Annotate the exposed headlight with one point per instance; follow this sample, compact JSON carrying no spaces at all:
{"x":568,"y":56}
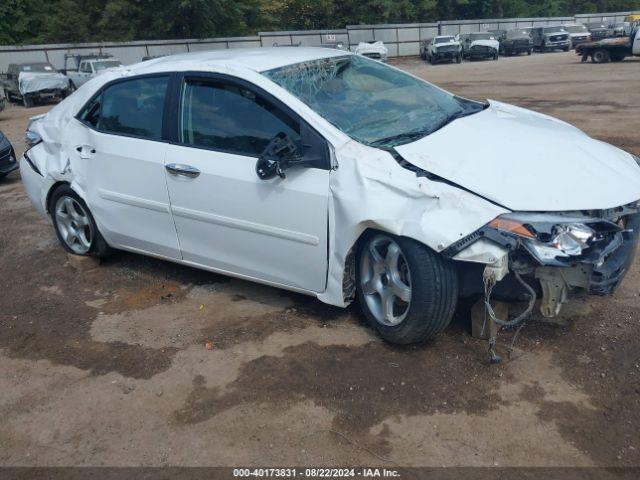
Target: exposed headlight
{"x":548,"y":240}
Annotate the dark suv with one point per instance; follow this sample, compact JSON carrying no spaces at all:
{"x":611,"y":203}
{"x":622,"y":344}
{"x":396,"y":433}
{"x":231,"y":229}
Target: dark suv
{"x":7,"y":157}
{"x":547,"y":39}
{"x":515,"y":42}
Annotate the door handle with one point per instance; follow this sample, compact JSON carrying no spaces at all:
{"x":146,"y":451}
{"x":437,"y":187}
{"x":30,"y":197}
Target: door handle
{"x":182,"y":170}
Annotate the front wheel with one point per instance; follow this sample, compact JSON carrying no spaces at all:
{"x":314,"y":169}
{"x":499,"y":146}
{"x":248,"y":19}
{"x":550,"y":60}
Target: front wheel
{"x":458,"y":58}
{"x":407,"y":292}
{"x":27,"y":101}
{"x":74,"y":225}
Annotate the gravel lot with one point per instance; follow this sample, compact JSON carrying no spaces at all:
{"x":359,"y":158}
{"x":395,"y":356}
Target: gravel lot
{"x":109,"y":366}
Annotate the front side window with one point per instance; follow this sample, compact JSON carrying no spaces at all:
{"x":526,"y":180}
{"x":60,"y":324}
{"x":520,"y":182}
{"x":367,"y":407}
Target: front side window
{"x":371,"y":102}
{"x":85,"y":67}
{"x":230,"y":118}
{"x":134,"y":107}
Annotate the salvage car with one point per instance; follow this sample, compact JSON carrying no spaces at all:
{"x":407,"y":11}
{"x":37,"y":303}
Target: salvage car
{"x":34,"y":82}
{"x":441,"y":49}
{"x":479,"y":45}
{"x":598,"y":31}
{"x":8,"y":162}
{"x":515,"y":42}
{"x":337,"y":176}
{"x":578,"y":33}
{"x":82,"y":68}
{"x":3,"y":101}
{"x":375,"y":50}
{"x":547,"y":39}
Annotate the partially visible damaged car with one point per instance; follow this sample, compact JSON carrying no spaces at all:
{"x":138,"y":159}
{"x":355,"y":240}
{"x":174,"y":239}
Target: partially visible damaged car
{"x":333,"y":175}
{"x":441,"y":49}
{"x":598,"y":30}
{"x":3,"y":101}
{"x":479,"y":45}
{"x":8,"y":162}
{"x":375,"y":50}
{"x":34,"y":82}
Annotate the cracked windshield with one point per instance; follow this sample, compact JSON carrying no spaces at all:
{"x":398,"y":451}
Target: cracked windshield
{"x":372,"y":103}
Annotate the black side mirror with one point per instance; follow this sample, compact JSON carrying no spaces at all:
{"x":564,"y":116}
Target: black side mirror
{"x":280,"y":154}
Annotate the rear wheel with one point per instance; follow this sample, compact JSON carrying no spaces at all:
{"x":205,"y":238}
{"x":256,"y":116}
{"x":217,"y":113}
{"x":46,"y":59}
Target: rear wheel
{"x":600,"y":56}
{"x":74,"y":225}
{"x":407,"y":292}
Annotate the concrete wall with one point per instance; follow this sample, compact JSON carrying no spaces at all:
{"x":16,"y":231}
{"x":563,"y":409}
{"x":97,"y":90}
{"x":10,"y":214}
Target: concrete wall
{"x":402,"y":39}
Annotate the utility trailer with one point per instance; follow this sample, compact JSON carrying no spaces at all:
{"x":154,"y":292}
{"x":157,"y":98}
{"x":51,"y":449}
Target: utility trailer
{"x":611,"y":49}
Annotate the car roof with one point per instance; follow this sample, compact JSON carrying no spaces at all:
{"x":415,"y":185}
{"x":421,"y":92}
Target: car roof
{"x":257,"y":59}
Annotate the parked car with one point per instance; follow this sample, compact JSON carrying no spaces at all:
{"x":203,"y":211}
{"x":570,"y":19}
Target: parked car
{"x":547,"y":39}
{"x":578,"y":33}
{"x":598,"y":31}
{"x":515,"y":42}
{"x":8,"y":161}
{"x":3,"y":101}
{"x":373,"y":184}
{"x":441,"y":49}
{"x":479,"y":45}
{"x":620,"y":29}
{"x":375,"y":50}
{"x":82,"y":68}
{"x":34,"y":82}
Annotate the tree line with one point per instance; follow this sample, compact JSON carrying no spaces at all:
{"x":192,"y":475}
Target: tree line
{"x":63,"y":21}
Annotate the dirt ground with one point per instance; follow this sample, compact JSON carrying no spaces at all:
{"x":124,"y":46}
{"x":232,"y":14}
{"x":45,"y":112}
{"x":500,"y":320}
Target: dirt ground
{"x":109,"y":366}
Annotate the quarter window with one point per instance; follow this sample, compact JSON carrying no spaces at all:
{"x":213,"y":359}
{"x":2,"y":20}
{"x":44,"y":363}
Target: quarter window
{"x":226,"y":117}
{"x":132,"y":108}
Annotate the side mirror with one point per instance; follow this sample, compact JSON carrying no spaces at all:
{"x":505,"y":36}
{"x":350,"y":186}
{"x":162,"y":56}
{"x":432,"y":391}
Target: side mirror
{"x":279,"y":155}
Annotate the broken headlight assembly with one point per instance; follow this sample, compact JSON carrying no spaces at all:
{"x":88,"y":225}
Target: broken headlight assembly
{"x":556,"y":239}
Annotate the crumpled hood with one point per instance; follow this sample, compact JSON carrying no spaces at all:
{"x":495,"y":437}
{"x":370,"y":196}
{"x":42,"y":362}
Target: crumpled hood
{"x":486,"y":43}
{"x":527,"y":161}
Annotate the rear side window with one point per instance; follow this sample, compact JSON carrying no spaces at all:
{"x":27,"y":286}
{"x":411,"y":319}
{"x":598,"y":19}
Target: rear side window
{"x":131,"y":108}
{"x":226,"y":117}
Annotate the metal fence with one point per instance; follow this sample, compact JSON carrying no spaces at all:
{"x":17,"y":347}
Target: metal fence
{"x":401,"y":39}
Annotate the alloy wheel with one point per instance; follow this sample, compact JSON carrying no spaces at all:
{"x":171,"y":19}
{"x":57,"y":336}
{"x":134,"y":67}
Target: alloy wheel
{"x":385,"y":280}
{"x":74,"y":225}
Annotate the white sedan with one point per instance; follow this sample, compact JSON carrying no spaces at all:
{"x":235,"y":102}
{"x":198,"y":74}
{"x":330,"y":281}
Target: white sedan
{"x":326,"y":173}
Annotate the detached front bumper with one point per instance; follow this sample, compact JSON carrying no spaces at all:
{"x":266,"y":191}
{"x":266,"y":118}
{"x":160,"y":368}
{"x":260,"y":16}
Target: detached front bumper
{"x":500,"y":250}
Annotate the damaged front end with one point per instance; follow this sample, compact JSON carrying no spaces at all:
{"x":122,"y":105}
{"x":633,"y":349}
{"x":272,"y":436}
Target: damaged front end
{"x":550,"y":255}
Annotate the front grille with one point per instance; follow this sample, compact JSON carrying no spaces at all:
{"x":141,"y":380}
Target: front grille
{"x":375,"y":56}
{"x":558,"y":38}
{"x":447,"y":49}
{"x":598,"y":35}
{"x":521,"y":43}
{"x":482,"y":49}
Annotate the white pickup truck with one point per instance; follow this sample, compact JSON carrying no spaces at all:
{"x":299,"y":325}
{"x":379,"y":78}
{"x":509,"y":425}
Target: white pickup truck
{"x":82,"y":68}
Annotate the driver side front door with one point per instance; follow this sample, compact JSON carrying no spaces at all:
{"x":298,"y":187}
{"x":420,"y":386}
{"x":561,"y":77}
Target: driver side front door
{"x":229,"y":220}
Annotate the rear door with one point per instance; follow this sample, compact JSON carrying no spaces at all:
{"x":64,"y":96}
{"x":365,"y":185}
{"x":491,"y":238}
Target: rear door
{"x":119,"y":164}
{"x":226,"y":217}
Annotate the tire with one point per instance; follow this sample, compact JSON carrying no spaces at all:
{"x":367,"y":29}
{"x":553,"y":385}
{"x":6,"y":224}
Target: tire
{"x":432,"y":60}
{"x":70,"y":213}
{"x":600,"y":56}
{"x":72,"y":86}
{"x":495,"y":56}
{"x":27,"y":101}
{"x":8,"y":96}
{"x":388,"y":264}
{"x":566,"y":49}
{"x":458,"y":58}
{"x":529,"y":52}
